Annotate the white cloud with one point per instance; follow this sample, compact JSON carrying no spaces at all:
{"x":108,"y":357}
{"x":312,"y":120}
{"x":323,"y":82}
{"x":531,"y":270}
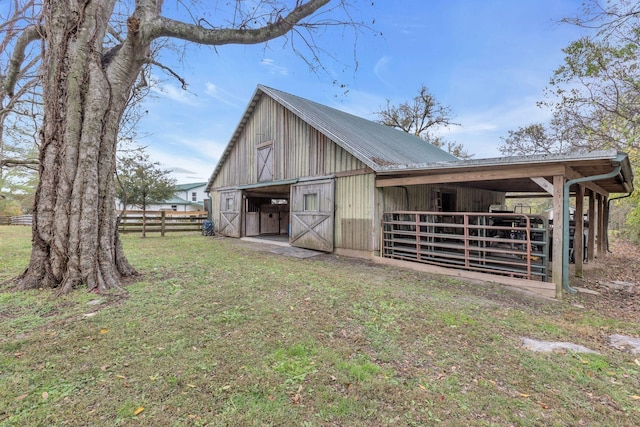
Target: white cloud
{"x":274,"y":68}
{"x":175,"y":94}
{"x":189,"y":158}
{"x":185,"y":167}
{"x":223,"y":96}
{"x":380,"y":69}
{"x":481,"y":131}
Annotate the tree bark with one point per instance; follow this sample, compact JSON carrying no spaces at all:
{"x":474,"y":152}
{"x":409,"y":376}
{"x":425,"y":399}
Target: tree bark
{"x":75,"y":238}
{"x":85,"y":92}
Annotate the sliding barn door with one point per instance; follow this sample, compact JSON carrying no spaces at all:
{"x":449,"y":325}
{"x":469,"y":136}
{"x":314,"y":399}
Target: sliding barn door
{"x":312,"y":211}
{"x":230,"y":213}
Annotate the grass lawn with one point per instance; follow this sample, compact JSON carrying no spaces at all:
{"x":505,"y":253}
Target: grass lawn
{"x":215,"y":332}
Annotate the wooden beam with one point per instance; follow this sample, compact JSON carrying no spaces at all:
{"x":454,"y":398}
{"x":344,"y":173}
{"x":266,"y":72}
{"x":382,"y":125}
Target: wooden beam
{"x":517,"y":171}
{"x":573,"y":174}
{"x":578,"y":241}
{"x":543,"y":183}
{"x":591,"y":238}
{"x":602,"y":239}
{"x":541,"y":288}
{"x":354,"y":172}
{"x":558,"y":206}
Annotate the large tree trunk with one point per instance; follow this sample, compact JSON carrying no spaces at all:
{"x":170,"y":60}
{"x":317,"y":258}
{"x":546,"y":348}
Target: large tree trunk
{"x":75,"y":237}
{"x":85,"y":91}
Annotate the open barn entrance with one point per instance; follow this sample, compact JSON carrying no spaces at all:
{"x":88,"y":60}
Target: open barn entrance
{"x":266,"y":215}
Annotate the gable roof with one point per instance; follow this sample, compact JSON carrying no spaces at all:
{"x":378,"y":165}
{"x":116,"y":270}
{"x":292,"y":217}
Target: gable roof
{"x":374,"y":144}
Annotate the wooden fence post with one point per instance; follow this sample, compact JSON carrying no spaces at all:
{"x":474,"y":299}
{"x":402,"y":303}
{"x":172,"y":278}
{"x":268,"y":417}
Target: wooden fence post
{"x":163,"y":217}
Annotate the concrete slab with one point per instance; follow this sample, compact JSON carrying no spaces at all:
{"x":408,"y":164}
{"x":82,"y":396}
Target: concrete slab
{"x":550,"y":346}
{"x":625,"y":343}
{"x":295,"y":252}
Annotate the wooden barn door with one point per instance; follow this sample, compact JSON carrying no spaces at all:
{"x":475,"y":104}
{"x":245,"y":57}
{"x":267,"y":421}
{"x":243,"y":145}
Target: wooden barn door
{"x":265,"y":162}
{"x":312,"y":211}
{"x":230,"y":213}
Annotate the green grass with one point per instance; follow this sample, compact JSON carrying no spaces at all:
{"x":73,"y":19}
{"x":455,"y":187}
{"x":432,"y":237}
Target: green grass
{"x":218,"y":333}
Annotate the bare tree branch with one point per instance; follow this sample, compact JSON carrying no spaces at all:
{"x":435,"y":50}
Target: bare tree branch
{"x":30,"y":34}
{"x":165,"y":27}
{"x":27,"y":163}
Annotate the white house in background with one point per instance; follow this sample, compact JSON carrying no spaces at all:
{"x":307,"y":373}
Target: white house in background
{"x":187,"y":198}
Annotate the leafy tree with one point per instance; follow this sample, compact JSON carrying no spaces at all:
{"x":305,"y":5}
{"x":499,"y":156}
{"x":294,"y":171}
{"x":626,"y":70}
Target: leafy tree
{"x":142,"y":182}
{"x":88,"y":77}
{"x":595,"y":94}
{"x":421,"y":117}
{"x":535,"y":139}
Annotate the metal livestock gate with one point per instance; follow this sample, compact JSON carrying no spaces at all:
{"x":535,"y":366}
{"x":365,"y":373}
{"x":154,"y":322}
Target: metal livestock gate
{"x":515,"y":245}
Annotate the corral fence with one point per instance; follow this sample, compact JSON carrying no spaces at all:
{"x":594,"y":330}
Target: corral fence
{"x":515,"y":245}
{"x":161,"y":221}
{"x":16,"y":220}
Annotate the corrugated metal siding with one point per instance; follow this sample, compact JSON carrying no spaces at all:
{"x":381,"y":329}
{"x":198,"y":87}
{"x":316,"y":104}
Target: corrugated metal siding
{"x":421,"y":198}
{"x":354,"y":216}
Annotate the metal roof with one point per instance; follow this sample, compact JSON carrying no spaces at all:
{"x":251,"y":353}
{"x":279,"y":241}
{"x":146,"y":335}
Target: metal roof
{"x":374,"y":144}
{"x":175,"y":200}
{"x":391,"y":153}
{"x":189,"y":186}
{"x":492,"y":173}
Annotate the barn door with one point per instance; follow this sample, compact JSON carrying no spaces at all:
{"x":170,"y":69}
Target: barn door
{"x":265,"y":162}
{"x":312,"y":210}
{"x":230,"y":208}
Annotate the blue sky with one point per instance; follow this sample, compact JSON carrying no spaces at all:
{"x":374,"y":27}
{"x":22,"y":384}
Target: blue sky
{"x":488,"y":60}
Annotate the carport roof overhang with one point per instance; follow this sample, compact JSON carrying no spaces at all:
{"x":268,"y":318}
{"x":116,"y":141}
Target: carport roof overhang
{"x":517,"y":174}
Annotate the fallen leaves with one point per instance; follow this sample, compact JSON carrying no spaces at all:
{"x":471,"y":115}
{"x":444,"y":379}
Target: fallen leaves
{"x":296,"y":399}
{"x":138,"y":411}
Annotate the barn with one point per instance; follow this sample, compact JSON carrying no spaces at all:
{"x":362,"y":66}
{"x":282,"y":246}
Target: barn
{"x":323,"y":179}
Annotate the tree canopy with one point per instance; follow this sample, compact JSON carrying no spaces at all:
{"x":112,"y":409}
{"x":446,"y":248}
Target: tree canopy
{"x":594,"y":95}
{"x":142,"y":182}
{"x":422,"y":116}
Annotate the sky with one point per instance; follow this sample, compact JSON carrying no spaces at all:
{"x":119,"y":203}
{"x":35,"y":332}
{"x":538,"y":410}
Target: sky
{"x":489,"y":61}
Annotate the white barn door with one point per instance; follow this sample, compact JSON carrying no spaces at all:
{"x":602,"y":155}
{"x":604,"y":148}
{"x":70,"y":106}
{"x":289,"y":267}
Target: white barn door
{"x":230,"y":213}
{"x":312,"y":207}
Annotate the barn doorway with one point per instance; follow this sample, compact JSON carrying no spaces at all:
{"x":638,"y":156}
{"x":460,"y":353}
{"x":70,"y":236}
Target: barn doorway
{"x":266,"y":216}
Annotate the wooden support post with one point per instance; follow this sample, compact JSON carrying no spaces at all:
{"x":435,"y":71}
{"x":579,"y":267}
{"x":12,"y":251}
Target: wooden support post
{"x":558,"y":206}
{"x":602,"y":238}
{"x":593,"y":226}
{"x":578,"y":241}
{"x":163,"y":217}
